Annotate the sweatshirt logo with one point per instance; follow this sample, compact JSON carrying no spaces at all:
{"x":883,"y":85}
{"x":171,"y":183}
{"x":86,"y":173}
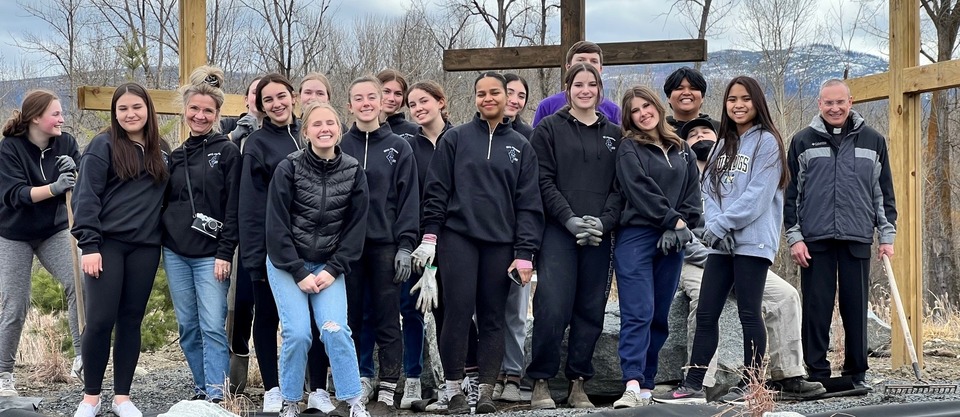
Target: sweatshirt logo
{"x":741,"y":163}
{"x":406,"y":136}
{"x":610,"y":142}
{"x":166,"y":158}
{"x":214,"y":159}
{"x":513,"y":154}
{"x":391,"y":155}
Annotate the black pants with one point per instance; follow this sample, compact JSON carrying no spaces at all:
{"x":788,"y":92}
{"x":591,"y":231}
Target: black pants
{"x":819,"y":284}
{"x":470,"y":364}
{"x":266,"y":321}
{"x":747,"y":275}
{"x":371,"y":279}
{"x":115,"y":303}
{"x":242,"y":313}
{"x":474,"y":280}
{"x":571,"y":291}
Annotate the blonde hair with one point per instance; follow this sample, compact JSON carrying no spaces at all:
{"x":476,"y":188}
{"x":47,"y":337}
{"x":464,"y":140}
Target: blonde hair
{"x":316,"y":76}
{"x":206,"y":81}
{"x":308,"y":113}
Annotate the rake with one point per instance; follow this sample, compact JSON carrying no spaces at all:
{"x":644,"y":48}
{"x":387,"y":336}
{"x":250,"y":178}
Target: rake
{"x":923,"y":387}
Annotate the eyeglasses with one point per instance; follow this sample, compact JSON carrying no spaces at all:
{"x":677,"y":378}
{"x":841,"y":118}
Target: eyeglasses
{"x":831,"y":103}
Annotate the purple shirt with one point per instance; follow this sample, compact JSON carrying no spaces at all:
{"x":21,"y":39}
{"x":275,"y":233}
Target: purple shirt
{"x":551,"y":104}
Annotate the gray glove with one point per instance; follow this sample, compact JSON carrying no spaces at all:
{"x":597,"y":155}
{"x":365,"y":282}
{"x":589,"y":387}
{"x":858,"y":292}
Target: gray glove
{"x":674,"y":240}
{"x":592,"y":233}
{"x":403,"y":264}
{"x":709,"y":239}
{"x":727,"y":244}
{"x":245,"y":126}
{"x":575,"y":225}
{"x":66,"y":164}
{"x":65,"y":182}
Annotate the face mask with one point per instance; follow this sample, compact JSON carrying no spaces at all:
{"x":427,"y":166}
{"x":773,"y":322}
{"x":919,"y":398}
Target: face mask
{"x":702,"y":149}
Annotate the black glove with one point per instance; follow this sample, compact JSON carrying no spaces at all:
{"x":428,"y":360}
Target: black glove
{"x":668,"y":241}
{"x":66,"y":164}
{"x":65,"y":182}
{"x":245,"y":126}
{"x":403,"y":264}
{"x":709,"y":239}
{"x":727,"y":244}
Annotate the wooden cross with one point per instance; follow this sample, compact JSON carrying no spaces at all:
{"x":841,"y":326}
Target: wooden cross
{"x":193,"y":53}
{"x":903,"y":85}
{"x":572,"y":30}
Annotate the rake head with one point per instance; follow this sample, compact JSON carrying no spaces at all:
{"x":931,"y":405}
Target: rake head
{"x":920,"y":389}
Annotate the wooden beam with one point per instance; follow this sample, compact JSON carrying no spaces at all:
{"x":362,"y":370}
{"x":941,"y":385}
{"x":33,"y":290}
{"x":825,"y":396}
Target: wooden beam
{"x":165,"y":101}
{"x":921,"y":79}
{"x":573,"y":29}
{"x":193,"y":37}
{"x":869,"y":88}
{"x":906,"y":166}
{"x":618,"y":53}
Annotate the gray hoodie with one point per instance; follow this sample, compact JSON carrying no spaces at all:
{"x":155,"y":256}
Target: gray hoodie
{"x":751,"y":203}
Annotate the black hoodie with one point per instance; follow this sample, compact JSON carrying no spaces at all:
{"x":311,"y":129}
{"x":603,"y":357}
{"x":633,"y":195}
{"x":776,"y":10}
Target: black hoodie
{"x":401,"y":126}
{"x":483,"y":184}
{"x":262,"y":151}
{"x":578,"y":166}
{"x":24,"y":166}
{"x":104,"y":206}
{"x":423,"y":150}
{"x":678,"y":124}
{"x":214,"y":164}
{"x":391,"y":171}
{"x":658,"y":186}
{"x":521,"y":127}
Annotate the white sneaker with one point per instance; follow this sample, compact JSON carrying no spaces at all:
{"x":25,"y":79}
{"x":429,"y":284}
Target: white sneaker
{"x":359,"y":411}
{"x":442,"y":401}
{"x":471,"y":387}
{"x":367,"y":391}
{"x":7,"y":385}
{"x":272,"y":400}
{"x":76,"y":370}
{"x":411,"y":393}
{"x":320,"y":400}
{"x":87,"y":410}
{"x":126,"y":409}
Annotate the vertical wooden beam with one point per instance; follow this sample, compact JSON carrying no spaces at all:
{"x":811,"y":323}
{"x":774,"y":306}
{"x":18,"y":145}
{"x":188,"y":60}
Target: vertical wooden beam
{"x":905,"y":164}
{"x":572,"y":28}
{"x":193,"y":36}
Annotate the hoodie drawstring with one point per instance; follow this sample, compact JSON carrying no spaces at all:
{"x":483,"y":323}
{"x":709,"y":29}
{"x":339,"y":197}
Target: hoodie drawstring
{"x":295,"y":141}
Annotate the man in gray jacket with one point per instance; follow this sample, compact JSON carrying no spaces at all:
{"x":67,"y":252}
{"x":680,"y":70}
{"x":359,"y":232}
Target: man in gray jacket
{"x":840,"y":196}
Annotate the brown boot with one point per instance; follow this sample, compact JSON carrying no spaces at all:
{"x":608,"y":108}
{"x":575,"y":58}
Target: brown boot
{"x":540,"y":399}
{"x":578,"y":398}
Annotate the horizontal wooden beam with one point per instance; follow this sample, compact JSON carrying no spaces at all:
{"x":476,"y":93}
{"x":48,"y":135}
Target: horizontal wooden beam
{"x":165,"y":101}
{"x":618,"y":53}
{"x":870,"y":88}
{"x":921,"y":79}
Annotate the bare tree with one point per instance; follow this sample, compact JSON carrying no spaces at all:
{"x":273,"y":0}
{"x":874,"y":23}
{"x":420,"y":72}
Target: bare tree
{"x":499,"y":19}
{"x":293,"y":36}
{"x":707,"y":16}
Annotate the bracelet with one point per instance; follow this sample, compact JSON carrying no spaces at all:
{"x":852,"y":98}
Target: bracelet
{"x":430,"y":238}
{"x":524,"y":264}
{"x":50,"y":190}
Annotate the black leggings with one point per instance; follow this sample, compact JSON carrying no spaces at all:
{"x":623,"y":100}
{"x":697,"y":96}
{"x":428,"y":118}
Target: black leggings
{"x":370,"y":288}
{"x":242,"y":313}
{"x":474,"y":279}
{"x":747,"y":275}
{"x":266,"y":321}
{"x":116,"y":300}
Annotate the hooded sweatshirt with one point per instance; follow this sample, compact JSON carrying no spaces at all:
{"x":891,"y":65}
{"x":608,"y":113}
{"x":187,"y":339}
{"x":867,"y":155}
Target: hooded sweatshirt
{"x":401,"y":126}
{"x":391,"y":171}
{"x":214,"y":163}
{"x":751,"y":206}
{"x":578,"y":168}
{"x":659,"y":186}
{"x":107,"y":207}
{"x":483,"y":184}
{"x":262,"y":151}
{"x":24,"y":166}
{"x":551,"y":104}
{"x":521,"y":127}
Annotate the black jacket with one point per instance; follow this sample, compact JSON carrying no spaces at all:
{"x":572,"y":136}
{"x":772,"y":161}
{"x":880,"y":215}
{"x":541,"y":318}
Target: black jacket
{"x":840,"y":187}
{"x":262,"y":152}
{"x":578,"y":166}
{"x":401,"y":126}
{"x":391,"y":172}
{"x":214,"y":164}
{"x":483,"y":184}
{"x":522,"y":128}
{"x":317,"y":212}
{"x":678,"y":124}
{"x":658,"y":187}
{"x":24,"y":166}
{"x":423,"y":150}
{"x":104,"y":206}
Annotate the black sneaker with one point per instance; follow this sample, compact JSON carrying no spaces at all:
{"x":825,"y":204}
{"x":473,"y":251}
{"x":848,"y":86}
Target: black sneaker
{"x":458,"y":405}
{"x":862,"y":385}
{"x":798,"y":389}
{"x":342,"y":410}
{"x":380,"y":408}
{"x":682,"y":395}
{"x":735,"y":395}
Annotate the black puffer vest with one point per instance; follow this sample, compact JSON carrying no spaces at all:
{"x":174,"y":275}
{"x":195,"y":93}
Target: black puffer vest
{"x":321,"y":201}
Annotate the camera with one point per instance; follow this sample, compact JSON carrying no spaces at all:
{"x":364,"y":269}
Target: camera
{"x":206,"y":225}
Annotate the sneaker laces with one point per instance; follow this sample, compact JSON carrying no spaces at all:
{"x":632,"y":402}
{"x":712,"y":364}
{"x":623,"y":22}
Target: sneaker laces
{"x":411,"y":390}
{"x":8,"y":383}
{"x":473,"y":390}
{"x":358,"y":410}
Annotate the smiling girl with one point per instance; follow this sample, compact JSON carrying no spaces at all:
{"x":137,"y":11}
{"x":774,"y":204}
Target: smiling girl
{"x":123,"y":178}
{"x":394,"y":98}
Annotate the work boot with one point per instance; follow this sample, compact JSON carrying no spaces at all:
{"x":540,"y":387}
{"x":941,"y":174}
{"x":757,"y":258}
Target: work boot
{"x":239,"y":365}
{"x":797,"y":388}
{"x":578,"y":398}
{"x":485,"y":403}
{"x":540,"y":399}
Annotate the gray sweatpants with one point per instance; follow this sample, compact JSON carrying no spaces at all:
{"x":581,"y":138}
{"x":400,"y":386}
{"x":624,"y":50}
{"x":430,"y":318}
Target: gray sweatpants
{"x":781,"y":317}
{"x":515,"y":331}
{"x":15,"y":280}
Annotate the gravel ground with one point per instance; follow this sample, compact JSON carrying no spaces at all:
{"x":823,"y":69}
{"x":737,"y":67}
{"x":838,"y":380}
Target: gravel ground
{"x":163,"y":379}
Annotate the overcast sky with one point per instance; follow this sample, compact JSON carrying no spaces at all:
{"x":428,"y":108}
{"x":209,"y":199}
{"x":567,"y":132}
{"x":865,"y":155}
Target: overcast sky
{"x":607,"y":21}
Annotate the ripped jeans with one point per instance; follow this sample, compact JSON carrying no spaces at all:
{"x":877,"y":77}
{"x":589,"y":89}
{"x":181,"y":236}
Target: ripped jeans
{"x":330,"y":309}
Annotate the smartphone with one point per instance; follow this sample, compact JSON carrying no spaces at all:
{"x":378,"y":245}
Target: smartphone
{"x":514,"y":275}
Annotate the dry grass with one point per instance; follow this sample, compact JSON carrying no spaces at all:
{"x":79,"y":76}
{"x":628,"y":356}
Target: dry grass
{"x":40,"y":349}
{"x":941,"y":323}
{"x":837,"y":337}
{"x":238,"y":404}
{"x":254,"y":379}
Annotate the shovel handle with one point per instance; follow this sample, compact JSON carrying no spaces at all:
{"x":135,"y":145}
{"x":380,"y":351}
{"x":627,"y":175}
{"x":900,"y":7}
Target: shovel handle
{"x":77,"y":276}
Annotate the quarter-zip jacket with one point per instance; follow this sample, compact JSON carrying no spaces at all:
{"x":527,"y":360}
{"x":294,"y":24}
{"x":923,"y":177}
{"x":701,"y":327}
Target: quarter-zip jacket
{"x":578,"y":165}
{"x":659,"y":186}
{"x":391,"y":171}
{"x":214,"y":164}
{"x":262,"y":151}
{"x":423,"y":150}
{"x":552,"y":104}
{"x":839,"y":190}
{"x":483,"y":183}
{"x":401,"y":126}
{"x":317,"y":212}
{"x":104,"y":206}
{"x":24,"y":166}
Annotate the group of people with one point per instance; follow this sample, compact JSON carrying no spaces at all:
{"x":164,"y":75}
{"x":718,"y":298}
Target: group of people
{"x":343,"y":238}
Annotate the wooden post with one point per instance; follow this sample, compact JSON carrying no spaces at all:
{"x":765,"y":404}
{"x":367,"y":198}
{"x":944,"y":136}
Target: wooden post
{"x":906,"y":164}
{"x":573,"y":19}
{"x":193,"y":36}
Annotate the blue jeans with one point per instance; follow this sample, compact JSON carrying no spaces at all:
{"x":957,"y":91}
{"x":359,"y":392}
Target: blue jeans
{"x":646,"y":281}
{"x":200,"y":303}
{"x":412,"y":327}
{"x":330,"y":310}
